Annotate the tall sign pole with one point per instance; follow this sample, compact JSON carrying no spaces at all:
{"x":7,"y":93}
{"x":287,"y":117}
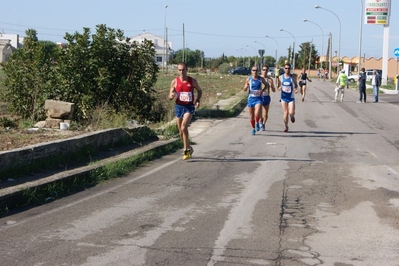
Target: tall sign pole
{"x":378,"y":13}
{"x":396,"y":53}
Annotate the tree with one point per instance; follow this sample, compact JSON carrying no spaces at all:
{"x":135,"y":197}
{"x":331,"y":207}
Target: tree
{"x":191,"y":58}
{"x":95,"y":70}
{"x":307,"y":49}
{"x":106,"y":69}
{"x":282,"y":60}
{"x":31,"y":77}
{"x":269,"y":61}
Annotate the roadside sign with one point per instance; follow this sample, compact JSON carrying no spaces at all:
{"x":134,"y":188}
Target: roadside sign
{"x":377,"y":12}
{"x":396,"y":52}
{"x":261,"y":52}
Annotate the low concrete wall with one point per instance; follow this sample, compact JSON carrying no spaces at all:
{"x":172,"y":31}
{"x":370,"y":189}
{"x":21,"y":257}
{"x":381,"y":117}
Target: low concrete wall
{"x":29,"y":155}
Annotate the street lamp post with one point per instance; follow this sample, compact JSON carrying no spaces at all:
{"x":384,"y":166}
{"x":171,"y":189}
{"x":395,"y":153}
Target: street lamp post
{"x":249,"y":56}
{"x":293,"y":49}
{"x":322,"y":35}
{"x":256,"y":53}
{"x":165,"y":42}
{"x":242,"y":57}
{"x":262,"y":54}
{"x":339,"y":37}
{"x":276,"y":47}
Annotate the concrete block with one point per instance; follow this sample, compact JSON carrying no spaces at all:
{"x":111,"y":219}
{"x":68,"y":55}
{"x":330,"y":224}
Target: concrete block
{"x":53,"y":122}
{"x":59,"y":109}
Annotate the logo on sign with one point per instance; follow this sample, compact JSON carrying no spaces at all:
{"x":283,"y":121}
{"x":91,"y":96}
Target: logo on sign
{"x":396,"y":52}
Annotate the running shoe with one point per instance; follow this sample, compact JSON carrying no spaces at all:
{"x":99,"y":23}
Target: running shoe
{"x":292,"y":119}
{"x":186,"y":155}
{"x":253,"y":131}
{"x":263,"y":127}
{"x":190,"y":152}
{"x":257,"y":126}
{"x":286,"y":129}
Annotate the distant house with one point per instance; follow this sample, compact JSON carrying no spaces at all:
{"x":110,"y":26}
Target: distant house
{"x":8,"y":43}
{"x":5,"y":50}
{"x":162,"y":49}
{"x":14,"y":39}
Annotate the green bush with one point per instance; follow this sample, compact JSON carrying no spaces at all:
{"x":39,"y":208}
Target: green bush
{"x":223,"y":68}
{"x":101,"y":69}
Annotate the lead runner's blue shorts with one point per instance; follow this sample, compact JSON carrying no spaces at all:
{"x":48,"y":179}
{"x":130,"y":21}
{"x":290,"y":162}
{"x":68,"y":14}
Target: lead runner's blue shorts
{"x":180,"y":109}
{"x":252,"y":101}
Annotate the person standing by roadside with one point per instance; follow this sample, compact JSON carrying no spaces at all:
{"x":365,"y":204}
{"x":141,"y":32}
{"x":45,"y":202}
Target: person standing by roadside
{"x":341,"y":82}
{"x":318,"y":73}
{"x":376,"y":83}
{"x":266,"y":99}
{"x":287,"y":84}
{"x":362,"y":86}
{"x":182,"y":88}
{"x":254,"y":84}
{"x":302,"y":83}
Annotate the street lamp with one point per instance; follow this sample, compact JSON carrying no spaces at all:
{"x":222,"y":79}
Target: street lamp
{"x":339,"y":41}
{"x":322,"y":35}
{"x":256,"y":55}
{"x":263,"y":52}
{"x":242,"y":57}
{"x":249,"y":56}
{"x":276,"y":48}
{"x":293,"y":49}
{"x":165,"y":42}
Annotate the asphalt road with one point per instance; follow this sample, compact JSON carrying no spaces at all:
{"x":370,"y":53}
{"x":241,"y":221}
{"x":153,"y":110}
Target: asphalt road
{"x":325,"y":193}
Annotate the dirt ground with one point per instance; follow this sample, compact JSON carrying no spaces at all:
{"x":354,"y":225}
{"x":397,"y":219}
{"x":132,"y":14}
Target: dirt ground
{"x":13,"y":139}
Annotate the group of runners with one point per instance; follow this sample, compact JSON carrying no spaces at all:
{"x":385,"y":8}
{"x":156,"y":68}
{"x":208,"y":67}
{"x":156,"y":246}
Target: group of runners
{"x":258,"y":87}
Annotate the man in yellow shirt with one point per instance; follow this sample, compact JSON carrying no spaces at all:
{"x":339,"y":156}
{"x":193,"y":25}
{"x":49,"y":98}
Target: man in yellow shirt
{"x":341,"y":82}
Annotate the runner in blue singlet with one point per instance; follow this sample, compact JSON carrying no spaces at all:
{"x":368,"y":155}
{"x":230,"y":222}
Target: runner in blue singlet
{"x":254,"y":84}
{"x":266,"y":99}
{"x":287,"y":84}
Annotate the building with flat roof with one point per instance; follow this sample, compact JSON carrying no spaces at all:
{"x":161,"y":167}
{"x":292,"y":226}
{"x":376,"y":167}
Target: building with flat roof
{"x":162,"y":48}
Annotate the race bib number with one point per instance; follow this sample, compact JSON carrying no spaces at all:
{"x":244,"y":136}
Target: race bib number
{"x":186,"y":97}
{"x":286,"y":89}
{"x":255,"y":93}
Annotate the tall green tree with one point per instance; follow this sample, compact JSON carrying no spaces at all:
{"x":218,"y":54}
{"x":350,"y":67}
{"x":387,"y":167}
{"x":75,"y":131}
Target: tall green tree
{"x":307,"y":51}
{"x":31,"y":77}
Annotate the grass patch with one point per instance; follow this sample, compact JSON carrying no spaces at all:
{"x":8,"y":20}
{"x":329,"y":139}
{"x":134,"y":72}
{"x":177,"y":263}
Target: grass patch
{"x":68,"y":186}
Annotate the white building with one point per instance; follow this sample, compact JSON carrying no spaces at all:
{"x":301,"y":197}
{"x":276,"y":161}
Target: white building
{"x":5,"y":50}
{"x":159,"y":45}
{"x":15,"y":40}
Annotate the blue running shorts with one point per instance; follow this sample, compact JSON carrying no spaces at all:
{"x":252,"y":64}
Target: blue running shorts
{"x":180,"y":110}
{"x":252,"y":101}
{"x":266,"y":100}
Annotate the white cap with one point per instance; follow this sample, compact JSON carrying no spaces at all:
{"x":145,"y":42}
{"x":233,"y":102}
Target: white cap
{"x":342,"y":71}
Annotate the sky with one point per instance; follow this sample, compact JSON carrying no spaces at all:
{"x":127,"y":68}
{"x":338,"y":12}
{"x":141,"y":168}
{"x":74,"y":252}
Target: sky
{"x":216,"y":27}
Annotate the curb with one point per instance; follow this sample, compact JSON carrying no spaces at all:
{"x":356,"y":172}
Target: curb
{"x":14,"y":196}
